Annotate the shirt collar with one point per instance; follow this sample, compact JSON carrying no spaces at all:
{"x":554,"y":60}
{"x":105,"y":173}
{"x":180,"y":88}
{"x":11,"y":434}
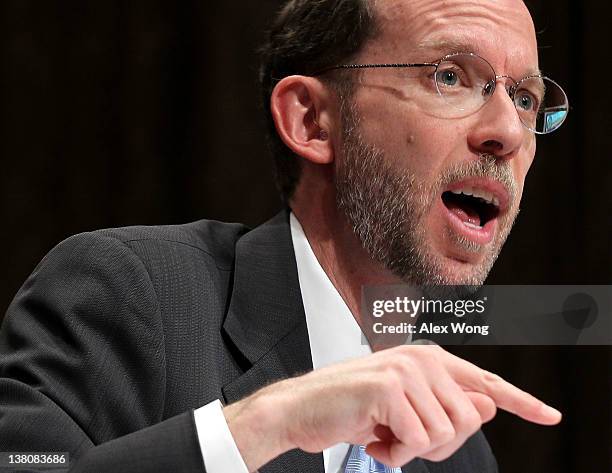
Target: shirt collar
{"x":334,"y":333}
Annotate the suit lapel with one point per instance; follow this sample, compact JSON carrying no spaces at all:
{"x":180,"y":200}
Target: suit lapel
{"x":265,"y":322}
{"x":265,"y":312}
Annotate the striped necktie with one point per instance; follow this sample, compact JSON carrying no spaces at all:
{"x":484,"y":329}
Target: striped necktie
{"x":359,"y":461}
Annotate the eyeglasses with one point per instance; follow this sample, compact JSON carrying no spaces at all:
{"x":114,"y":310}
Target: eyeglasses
{"x":465,"y":82}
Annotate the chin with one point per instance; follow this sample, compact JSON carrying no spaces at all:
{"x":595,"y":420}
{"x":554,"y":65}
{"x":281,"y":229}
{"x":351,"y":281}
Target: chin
{"x":461,"y":264}
{"x":461,"y":273}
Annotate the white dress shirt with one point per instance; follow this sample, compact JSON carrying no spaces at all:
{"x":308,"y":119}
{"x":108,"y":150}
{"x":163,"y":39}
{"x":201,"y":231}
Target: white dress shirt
{"x":334,"y":336}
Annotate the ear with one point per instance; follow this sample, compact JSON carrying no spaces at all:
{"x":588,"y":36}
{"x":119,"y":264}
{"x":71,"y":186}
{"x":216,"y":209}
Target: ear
{"x":301,"y":108}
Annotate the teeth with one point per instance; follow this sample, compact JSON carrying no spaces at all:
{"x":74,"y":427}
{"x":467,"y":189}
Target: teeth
{"x":478,"y":193}
{"x":465,"y":190}
{"x":472,"y":225}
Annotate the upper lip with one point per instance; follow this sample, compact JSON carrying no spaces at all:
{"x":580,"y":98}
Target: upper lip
{"x":490,"y":190}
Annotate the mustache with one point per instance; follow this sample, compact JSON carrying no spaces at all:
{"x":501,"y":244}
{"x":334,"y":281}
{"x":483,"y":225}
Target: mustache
{"x":487,"y":166}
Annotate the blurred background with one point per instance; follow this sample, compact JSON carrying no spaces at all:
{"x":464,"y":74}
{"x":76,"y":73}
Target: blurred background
{"x":124,"y":112}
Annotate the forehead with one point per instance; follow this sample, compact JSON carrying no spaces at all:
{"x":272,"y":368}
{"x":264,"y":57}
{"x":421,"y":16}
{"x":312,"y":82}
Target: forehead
{"x":499,"y":30}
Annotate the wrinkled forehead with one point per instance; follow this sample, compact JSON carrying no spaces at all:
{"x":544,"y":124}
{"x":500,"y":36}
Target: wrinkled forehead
{"x":501,"y":31}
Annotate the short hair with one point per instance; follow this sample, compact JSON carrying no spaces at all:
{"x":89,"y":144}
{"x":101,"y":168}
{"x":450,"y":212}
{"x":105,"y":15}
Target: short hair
{"x":308,"y":36}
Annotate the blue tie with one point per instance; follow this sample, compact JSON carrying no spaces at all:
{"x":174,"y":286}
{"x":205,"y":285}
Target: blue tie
{"x":359,"y":461}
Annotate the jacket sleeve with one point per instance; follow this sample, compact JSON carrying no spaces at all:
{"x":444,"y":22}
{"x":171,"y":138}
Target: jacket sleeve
{"x":82,"y":365}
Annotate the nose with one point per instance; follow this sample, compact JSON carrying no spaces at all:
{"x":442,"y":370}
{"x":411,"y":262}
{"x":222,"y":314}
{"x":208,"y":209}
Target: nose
{"x":498,"y":129}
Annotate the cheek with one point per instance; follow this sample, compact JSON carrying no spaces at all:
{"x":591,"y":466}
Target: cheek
{"x":409,"y":138}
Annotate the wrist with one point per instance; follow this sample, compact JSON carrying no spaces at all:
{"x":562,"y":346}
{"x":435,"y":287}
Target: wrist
{"x":258,"y":425}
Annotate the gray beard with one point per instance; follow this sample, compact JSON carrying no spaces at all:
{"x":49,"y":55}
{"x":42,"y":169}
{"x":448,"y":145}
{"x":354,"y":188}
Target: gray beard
{"x":386,"y":209}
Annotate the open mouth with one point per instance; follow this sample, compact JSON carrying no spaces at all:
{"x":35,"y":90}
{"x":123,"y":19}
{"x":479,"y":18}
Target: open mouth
{"x":474,"y":207}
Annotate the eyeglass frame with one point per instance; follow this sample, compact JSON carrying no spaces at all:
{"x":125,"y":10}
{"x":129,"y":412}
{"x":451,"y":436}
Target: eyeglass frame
{"x":510,"y":90}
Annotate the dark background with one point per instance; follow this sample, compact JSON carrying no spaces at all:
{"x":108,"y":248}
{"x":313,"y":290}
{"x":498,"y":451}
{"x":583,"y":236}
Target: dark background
{"x":124,"y":112}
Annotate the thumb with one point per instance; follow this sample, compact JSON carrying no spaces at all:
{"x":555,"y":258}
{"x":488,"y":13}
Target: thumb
{"x":483,"y":404}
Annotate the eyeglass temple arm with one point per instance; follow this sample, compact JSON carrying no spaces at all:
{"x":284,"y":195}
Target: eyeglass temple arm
{"x":376,"y":66}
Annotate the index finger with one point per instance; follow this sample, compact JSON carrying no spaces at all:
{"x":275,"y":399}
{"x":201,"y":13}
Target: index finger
{"x":505,"y":395}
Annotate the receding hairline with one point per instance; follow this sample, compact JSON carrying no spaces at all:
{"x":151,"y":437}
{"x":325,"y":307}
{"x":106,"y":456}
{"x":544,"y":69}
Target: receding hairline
{"x":435,"y":48}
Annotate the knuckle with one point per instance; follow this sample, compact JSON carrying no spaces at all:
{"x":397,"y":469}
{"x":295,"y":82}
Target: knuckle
{"x":390,"y":377}
{"x":469,"y":421}
{"x":406,"y":367}
{"x":421,"y":356}
{"x":442,"y":435}
{"x":385,"y":388}
{"x":420,"y":442}
{"x":474,"y":423}
{"x":396,"y":363}
{"x":405,"y":349}
{"x":429,"y":356}
{"x":401,"y":367}
{"x":491,"y":379}
{"x":400,"y":350}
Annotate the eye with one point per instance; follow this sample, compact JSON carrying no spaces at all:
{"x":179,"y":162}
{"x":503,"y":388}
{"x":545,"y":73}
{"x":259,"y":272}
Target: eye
{"x":447,"y":77}
{"x":525,"y":101}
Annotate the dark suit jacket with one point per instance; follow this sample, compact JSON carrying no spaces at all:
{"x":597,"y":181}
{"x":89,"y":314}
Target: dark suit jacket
{"x":119,"y":334}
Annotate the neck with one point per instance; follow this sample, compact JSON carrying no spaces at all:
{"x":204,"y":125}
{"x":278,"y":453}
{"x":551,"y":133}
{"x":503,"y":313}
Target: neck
{"x":338,"y":250}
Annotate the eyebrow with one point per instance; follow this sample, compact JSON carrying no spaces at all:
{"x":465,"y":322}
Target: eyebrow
{"x":541,"y":87}
{"x":449,"y":46}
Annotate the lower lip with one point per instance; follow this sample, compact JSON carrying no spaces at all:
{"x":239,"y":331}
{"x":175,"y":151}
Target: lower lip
{"x":481,"y":236}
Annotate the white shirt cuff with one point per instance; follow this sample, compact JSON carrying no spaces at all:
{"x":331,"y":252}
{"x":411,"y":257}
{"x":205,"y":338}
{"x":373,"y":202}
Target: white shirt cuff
{"x":219,"y":450}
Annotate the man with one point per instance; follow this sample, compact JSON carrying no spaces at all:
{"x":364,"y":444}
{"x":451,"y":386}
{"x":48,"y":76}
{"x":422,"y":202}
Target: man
{"x":402,"y":145}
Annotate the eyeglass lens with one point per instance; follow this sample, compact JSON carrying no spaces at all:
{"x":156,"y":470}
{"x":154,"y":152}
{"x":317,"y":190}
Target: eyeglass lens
{"x":467,"y":81}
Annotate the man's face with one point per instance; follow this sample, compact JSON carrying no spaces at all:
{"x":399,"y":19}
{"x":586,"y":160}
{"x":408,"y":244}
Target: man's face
{"x":403,"y":164}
